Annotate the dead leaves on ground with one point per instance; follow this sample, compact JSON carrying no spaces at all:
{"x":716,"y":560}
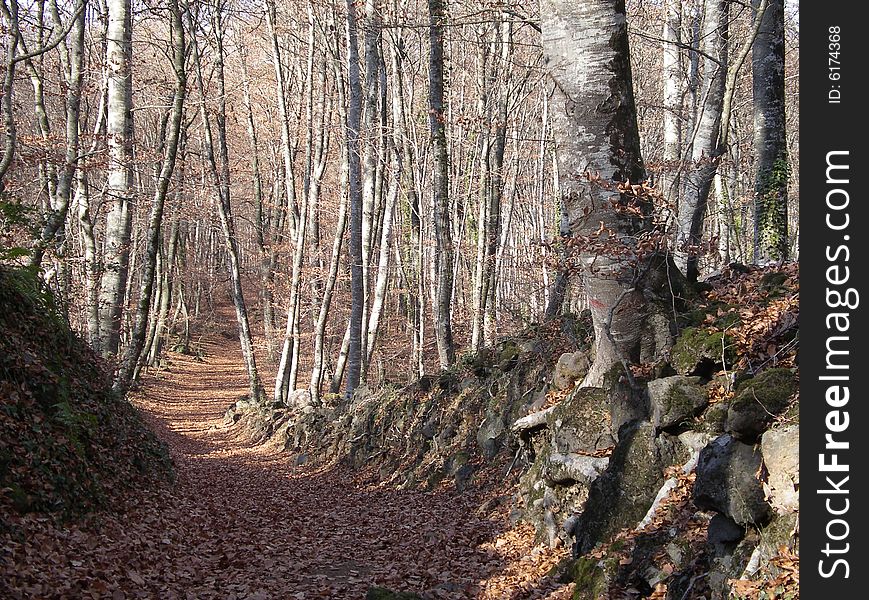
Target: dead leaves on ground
{"x":242,"y":522}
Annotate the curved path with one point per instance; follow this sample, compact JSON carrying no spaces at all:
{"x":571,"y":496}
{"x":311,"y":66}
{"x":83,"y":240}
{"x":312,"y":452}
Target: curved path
{"x":242,"y":523}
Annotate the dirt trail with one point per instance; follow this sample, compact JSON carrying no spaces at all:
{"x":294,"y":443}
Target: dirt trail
{"x":241,"y":522}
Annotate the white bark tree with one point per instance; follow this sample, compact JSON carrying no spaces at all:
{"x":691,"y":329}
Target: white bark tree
{"x":595,"y":126}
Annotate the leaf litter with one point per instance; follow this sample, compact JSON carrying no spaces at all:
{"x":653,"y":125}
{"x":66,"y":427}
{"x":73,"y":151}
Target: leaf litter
{"x":241,"y":521}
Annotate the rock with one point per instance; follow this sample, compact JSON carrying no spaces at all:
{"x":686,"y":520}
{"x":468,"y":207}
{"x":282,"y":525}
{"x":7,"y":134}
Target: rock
{"x":783,"y":530}
{"x":780,"y":447}
{"x":699,"y":351}
{"x":622,"y":495}
{"x":570,"y":370}
{"x":299,"y":398}
{"x":694,"y":441}
{"x":723,"y":535}
{"x":758,"y":401}
{"x":491,"y":434}
{"x":581,"y":422}
{"x":479,"y":363}
{"x":508,"y":355}
{"x":730,"y":565}
{"x":773,"y":281}
{"x":557,"y":483}
{"x":592,"y":577}
{"x":626,"y":403}
{"x":714,"y":419}
{"x":675,"y":400}
{"x":573,"y":468}
{"x":726,"y":481}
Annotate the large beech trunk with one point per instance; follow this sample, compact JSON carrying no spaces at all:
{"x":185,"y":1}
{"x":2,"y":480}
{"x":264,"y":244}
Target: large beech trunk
{"x":595,"y":126}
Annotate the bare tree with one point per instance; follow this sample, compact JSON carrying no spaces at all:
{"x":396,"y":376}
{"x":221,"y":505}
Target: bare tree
{"x":441,"y":184}
{"x":217,"y":165}
{"x":707,"y":147}
{"x":595,"y":126}
{"x":155,"y":222}
{"x":354,"y":180}
{"x":770,"y":144}
{"x":119,"y":138}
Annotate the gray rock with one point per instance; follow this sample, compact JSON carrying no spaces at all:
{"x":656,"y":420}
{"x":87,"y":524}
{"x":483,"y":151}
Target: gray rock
{"x":570,"y":369}
{"x":723,"y":535}
{"x":299,"y":398}
{"x":714,"y":418}
{"x":622,"y":495}
{"x":758,"y":401}
{"x":491,"y":434}
{"x":675,"y":400}
{"x":780,"y":447}
{"x":581,"y":422}
{"x":573,"y":468}
{"x":699,"y":351}
{"x":727,"y":482}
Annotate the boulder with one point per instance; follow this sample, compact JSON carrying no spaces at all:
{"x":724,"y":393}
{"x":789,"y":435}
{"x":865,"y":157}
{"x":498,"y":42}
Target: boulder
{"x":726,"y":481}
{"x":581,"y":422}
{"x":566,"y":469}
{"x":570,"y":370}
{"x":592,"y":577}
{"x":699,"y":351}
{"x":622,"y":495}
{"x":758,"y":401}
{"x":714,"y":418}
{"x":491,"y":435}
{"x":675,"y":400}
{"x":722,"y":535}
{"x":780,"y":447}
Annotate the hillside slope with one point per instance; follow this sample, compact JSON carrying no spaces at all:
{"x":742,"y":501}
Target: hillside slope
{"x":68,"y":445}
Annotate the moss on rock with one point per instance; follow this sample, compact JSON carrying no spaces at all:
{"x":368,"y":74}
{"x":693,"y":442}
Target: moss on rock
{"x":698,"y":351}
{"x":758,"y":401}
{"x":592,"y":577}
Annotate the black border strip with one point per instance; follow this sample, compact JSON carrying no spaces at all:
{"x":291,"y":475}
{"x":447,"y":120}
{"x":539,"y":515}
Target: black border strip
{"x":833,"y":240}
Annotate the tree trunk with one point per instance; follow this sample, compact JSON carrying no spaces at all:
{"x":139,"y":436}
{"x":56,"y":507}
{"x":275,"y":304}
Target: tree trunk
{"x":119,"y":134}
{"x":155,"y":346}
{"x":357,"y":283}
{"x":440,"y":185}
{"x":155,"y":222}
{"x":770,"y":145}
{"x":707,"y":148}
{"x":265,"y":250}
{"x":11,"y":16}
{"x":220,"y":181}
{"x":672,"y":74}
{"x":595,"y":127}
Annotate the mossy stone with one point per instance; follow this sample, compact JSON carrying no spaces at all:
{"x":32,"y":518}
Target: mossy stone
{"x":581,"y":422}
{"x":758,"y":401}
{"x":508,"y":356}
{"x":714,"y":419}
{"x":675,"y":400}
{"x":773,"y":281}
{"x":698,"y":351}
{"x":592,"y":577}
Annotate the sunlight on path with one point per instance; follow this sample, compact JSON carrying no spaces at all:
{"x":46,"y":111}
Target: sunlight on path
{"x":242,"y":523}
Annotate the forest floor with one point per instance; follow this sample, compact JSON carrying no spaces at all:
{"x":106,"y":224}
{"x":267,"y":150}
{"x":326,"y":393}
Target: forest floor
{"x":241,"y":521}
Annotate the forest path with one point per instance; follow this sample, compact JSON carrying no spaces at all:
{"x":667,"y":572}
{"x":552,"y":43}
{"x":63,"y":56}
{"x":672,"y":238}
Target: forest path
{"x":242,"y":522}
